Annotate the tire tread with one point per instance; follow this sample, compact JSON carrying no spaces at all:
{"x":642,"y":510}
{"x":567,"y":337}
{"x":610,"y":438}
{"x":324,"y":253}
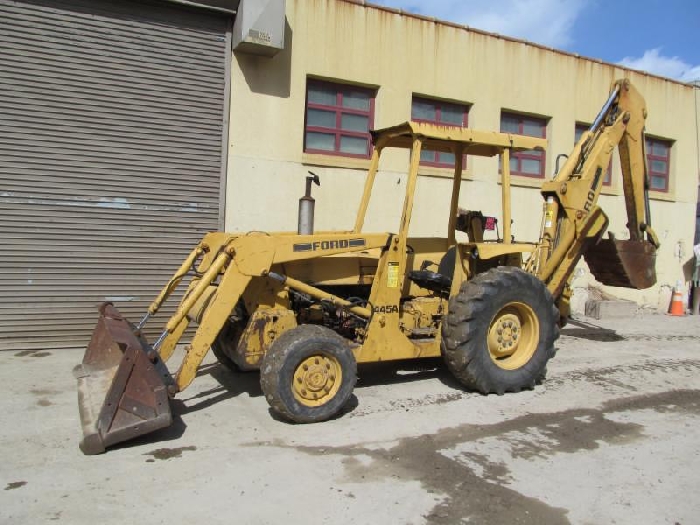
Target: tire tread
{"x":468,"y":319}
{"x":279,"y":354}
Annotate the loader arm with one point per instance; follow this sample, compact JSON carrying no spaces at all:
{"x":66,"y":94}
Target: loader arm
{"x":123,"y":382}
{"x":231,"y":262}
{"x":573,"y":224}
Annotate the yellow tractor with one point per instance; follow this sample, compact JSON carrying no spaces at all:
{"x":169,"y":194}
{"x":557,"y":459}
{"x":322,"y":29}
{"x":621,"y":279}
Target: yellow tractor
{"x":306,"y":307}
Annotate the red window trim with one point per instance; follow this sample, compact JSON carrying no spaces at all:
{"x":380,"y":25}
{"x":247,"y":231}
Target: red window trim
{"x":438,"y":120}
{"x":339,"y":110}
{"x":649,"y":141}
{"x":607,"y":179}
{"x":521,"y":155}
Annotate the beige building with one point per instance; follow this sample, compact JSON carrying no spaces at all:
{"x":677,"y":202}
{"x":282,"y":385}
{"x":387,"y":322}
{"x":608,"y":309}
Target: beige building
{"x":130,"y":128}
{"x":289,"y":115}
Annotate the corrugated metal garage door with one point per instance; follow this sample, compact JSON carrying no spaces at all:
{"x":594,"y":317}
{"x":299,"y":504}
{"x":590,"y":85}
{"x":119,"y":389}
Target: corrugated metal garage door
{"x":111,"y":132}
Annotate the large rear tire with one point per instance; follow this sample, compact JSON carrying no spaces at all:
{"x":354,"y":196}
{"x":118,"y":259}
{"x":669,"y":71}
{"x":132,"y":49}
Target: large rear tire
{"x":308,"y":374}
{"x":500,"y":330}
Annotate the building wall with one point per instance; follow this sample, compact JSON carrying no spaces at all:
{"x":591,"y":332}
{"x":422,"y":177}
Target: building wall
{"x":401,"y":55}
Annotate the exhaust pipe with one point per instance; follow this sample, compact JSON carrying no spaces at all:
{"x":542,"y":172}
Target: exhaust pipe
{"x":307,"y":204}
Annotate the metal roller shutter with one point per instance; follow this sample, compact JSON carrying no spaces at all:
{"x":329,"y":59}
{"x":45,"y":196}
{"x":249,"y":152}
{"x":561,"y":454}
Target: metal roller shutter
{"x":112,"y":120}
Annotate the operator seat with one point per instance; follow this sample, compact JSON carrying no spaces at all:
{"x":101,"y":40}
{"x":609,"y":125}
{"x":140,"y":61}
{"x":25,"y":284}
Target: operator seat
{"x":439,"y":282}
{"x":474,"y":224}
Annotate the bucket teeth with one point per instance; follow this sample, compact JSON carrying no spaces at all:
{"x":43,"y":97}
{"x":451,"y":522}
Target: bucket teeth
{"x":122,"y":393}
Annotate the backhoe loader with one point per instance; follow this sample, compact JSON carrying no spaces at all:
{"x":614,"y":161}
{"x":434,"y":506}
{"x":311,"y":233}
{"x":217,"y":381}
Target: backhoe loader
{"x":306,"y":307}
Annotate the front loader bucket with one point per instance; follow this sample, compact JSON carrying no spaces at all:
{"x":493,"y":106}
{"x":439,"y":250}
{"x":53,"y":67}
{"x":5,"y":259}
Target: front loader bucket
{"x":122,"y":385}
{"x":630,"y":264}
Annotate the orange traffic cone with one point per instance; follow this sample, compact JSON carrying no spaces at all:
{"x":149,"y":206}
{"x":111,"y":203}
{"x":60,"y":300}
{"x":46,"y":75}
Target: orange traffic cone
{"x":677,"y":307}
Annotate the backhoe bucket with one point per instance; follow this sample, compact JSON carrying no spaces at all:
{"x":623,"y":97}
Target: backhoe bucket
{"x":630,"y":264}
{"x":122,"y":385}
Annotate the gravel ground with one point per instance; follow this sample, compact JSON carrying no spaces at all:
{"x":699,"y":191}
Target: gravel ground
{"x":608,"y":438}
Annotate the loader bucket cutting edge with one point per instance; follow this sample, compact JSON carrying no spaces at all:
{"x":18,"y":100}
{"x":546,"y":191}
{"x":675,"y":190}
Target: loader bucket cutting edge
{"x":122,"y":393}
{"x":629,"y":264}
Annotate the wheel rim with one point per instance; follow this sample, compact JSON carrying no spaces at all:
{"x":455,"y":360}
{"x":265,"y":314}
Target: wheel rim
{"x":317,"y":380}
{"x":513,"y":336}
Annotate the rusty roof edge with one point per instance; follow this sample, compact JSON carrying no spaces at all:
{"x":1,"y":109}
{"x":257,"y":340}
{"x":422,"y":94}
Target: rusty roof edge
{"x":437,"y":21}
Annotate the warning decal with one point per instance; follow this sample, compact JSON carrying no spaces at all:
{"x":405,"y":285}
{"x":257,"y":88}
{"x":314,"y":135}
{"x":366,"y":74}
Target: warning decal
{"x":393,"y":275}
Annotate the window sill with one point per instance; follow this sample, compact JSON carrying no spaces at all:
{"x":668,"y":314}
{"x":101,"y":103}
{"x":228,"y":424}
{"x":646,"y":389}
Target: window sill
{"x":613,"y":191}
{"x":661,"y":196}
{"x":525,"y":182}
{"x":445,"y":173}
{"x":334,"y":161}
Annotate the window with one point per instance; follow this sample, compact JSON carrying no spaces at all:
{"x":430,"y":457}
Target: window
{"x":338,"y":119}
{"x":580,"y":128}
{"x":529,"y":163}
{"x":442,"y":113}
{"x":658,"y":161}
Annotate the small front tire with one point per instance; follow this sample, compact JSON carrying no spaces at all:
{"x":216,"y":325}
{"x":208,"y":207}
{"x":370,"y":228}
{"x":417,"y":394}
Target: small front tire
{"x":309,"y":374}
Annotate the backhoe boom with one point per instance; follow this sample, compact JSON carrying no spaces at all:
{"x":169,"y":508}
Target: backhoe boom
{"x":574,"y":224}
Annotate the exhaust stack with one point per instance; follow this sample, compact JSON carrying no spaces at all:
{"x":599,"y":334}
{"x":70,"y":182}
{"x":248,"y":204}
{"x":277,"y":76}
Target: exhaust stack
{"x":307,"y":204}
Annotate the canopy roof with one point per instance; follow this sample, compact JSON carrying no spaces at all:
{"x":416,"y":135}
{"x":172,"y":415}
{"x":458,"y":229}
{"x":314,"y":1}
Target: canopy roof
{"x":450,"y":138}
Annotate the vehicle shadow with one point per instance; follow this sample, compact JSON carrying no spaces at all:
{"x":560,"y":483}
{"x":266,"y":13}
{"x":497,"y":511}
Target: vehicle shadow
{"x":591,"y":332}
{"x":230,"y":384}
{"x":399,"y":372}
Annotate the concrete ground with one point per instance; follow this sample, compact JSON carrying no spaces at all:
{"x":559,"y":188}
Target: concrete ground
{"x":610,"y":437}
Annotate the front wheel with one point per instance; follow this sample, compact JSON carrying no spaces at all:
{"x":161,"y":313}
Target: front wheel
{"x":308,"y":374}
{"x":500,"y":330}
